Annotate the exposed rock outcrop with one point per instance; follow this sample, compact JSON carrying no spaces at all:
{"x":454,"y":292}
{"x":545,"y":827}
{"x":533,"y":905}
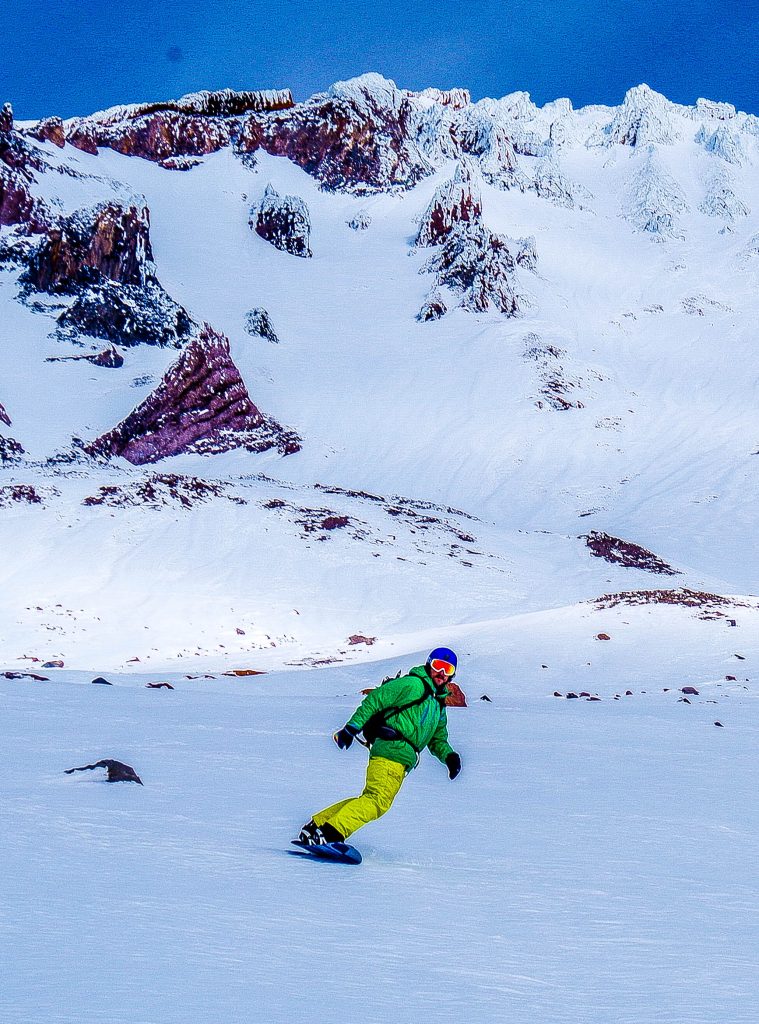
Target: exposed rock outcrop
{"x":116,"y":771}
{"x":10,"y":450}
{"x":480,"y":266}
{"x":720,"y":199}
{"x":18,"y":205}
{"x":722,"y":142}
{"x":455,"y":201}
{"x":4,"y":417}
{"x":6,"y":118}
{"x":50,"y":129}
{"x":354,"y":137}
{"x":433,"y":307}
{"x":258,"y":324}
{"x":360,"y":222}
{"x":194,"y":125}
{"x":284,"y":221}
{"x":623,"y":552}
{"x":644,"y":117}
{"x":108,"y":241}
{"x":549,"y":182}
{"x":481,"y":134}
{"x":128,"y":315}
{"x":456,"y":99}
{"x":201,"y":405}
{"x":103,"y":257}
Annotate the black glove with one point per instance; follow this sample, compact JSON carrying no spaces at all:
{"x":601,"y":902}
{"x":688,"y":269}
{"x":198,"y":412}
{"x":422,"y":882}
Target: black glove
{"x":345,"y":736}
{"x":453,"y":764}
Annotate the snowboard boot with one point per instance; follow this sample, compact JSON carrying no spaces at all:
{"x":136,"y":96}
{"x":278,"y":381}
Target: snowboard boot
{"x":312,"y":835}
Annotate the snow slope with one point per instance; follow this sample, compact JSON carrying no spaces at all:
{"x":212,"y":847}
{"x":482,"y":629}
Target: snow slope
{"x":594,"y":861}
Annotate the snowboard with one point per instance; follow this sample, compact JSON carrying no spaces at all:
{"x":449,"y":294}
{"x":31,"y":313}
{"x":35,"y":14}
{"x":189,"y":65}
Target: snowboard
{"x":338,"y":853}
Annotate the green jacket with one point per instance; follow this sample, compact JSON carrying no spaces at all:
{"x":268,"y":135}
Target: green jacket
{"x":423,"y":725}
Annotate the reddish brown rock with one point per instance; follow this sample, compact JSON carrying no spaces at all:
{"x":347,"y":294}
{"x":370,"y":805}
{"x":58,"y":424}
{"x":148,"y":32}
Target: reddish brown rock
{"x":284,"y":221}
{"x":109,"y":241}
{"x":355,"y":137}
{"x":18,"y":205}
{"x":49,"y":130}
{"x":359,"y":638}
{"x":194,"y":125}
{"x":691,"y":691}
{"x":454,"y":202}
{"x":84,"y":137}
{"x":6,"y":118}
{"x":623,"y":552}
{"x":201,"y":405}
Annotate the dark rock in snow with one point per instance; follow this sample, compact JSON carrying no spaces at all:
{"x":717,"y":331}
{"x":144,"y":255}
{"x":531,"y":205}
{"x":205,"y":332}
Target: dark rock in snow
{"x":161,"y":490}
{"x":117,"y":770}
{"x":691,"y":690}
{"x":101,"y":681}
{"x":20,"y":494}
{"x":258,"y":322}
{"x":480,"y":266}
{"x":355,"y":137}
{"x":201,"y":405}
{"x":128,"y":315}
{"x":6,"y":118}
{"x":434,"y":307}
{"x":159,"y":686}
{"x":360,"y":222}
{"x":108,"y":241}
{"x":4,"y":417}
{"x":719,"y":725}
{"x":623,"y":552}
{"x":454,"y":202}
{"x":284,"y":221}
{"x":486,"y":698}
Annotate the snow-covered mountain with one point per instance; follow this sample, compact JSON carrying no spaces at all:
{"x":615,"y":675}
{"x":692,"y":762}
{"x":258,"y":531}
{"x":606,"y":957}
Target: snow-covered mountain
{"x":276,"y":374}
{"x":305,"y":390}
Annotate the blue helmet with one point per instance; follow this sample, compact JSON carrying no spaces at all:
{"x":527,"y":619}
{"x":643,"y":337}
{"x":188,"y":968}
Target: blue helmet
{"x":443,"y":654}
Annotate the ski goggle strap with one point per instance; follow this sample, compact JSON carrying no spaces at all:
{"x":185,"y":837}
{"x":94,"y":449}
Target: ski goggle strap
{"x":438,"y":665}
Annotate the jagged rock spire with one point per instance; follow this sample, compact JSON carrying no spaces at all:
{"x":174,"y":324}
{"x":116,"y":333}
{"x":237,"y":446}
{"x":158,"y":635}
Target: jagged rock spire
{"x":201,"y":405}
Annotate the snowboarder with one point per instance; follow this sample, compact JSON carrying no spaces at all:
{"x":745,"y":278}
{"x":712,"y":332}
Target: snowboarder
{"x":398,"y":719}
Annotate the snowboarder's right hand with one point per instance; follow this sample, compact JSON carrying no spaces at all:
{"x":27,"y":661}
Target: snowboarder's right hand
{"x":345,"y":736}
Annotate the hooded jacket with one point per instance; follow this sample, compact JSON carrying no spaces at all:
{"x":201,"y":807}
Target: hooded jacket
{"x":423,"y":725}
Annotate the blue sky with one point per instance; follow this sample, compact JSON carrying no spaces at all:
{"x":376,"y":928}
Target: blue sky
{"x":72,"y":57}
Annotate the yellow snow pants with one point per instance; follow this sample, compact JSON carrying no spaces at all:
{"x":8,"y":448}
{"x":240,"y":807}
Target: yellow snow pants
{"x":383,"y":780}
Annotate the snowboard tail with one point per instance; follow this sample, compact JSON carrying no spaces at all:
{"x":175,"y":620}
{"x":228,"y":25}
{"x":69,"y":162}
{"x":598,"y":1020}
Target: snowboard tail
{"x":338,"y":853}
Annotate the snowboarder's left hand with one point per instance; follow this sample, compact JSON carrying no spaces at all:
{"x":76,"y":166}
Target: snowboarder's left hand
{"x":453,"y":764}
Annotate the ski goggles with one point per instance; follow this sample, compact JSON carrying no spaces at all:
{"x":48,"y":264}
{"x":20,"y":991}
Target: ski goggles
{"x":438,"y":665}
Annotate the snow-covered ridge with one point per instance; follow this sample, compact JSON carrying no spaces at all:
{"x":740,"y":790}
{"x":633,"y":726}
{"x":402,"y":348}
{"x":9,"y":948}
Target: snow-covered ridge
{"x":443,"y":234}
